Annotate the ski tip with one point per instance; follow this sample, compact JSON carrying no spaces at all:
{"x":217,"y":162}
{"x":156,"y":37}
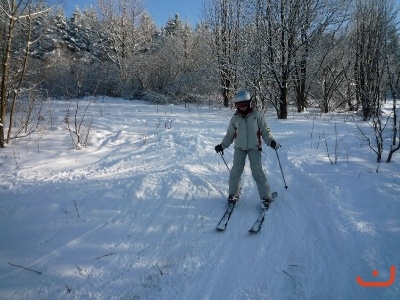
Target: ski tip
{"x":219,"y":229}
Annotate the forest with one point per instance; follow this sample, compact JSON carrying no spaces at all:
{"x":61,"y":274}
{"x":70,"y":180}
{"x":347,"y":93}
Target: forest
{"x":110,"y":185}
{"x":329,"y":55}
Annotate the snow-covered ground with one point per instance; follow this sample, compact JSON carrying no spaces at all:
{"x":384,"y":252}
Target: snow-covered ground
{"x":133,"y":215}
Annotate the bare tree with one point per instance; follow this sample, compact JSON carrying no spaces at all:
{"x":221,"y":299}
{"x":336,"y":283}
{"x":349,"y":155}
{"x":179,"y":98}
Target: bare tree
{"x":333,"y":86}
{"x":12,"y":14}
{"x":282,"y":32}
{"x":118,"y":32}
{"x":77,"y":125}
{"x":316,"y":20}
{"x":272,"y":39}
{"x":224,"y":19}
{"x":393,"y":77}
{"x":372,"y":19}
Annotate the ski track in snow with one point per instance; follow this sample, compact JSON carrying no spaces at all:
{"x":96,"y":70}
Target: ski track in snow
{"x":133,"y":216}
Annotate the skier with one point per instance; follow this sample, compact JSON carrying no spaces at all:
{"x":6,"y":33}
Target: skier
{"x":246,"y":128}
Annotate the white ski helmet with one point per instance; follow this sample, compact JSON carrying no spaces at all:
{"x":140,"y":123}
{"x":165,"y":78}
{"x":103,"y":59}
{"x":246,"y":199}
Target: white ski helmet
{"x":242,"y":95}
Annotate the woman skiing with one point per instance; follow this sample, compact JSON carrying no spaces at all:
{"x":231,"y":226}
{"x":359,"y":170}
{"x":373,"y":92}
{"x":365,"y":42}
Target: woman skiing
{"x":246,"y":129}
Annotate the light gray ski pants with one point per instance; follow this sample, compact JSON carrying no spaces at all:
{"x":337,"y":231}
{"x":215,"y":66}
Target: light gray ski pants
{"x":239,"y":160}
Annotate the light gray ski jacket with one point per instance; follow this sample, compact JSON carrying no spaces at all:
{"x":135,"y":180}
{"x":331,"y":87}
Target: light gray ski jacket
{"x":247,"y":131}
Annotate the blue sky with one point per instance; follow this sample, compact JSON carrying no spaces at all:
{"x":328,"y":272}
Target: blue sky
{"x":160,"y":10}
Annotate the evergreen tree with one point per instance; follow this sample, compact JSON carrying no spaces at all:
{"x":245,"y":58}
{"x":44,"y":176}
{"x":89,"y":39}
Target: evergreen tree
{"x":172,"y":25}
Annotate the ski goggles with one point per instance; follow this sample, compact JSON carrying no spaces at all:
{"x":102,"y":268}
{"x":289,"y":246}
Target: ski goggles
{"x":242,"y":104}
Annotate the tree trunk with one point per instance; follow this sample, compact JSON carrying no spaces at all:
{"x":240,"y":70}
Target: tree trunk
{"x":283,"y":111}
{"x":20,"y":81}
{"x":4,"y":80}
{"x":393,"y":149}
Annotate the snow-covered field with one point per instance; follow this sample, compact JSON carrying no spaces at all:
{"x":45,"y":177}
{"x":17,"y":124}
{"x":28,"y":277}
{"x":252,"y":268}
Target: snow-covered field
{"x":133,"y":215}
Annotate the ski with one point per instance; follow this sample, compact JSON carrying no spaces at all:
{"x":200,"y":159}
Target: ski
{"x":225,"y":218}
{"x":257,"y":225}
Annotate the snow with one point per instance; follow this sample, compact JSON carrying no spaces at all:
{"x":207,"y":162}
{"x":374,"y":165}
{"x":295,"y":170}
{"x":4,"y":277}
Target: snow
{"x":133,"y":215}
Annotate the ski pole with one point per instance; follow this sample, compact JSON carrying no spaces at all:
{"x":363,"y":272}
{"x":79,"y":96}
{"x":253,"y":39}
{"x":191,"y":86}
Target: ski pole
{"x":225,"y":161}
{"x":279,"y":161}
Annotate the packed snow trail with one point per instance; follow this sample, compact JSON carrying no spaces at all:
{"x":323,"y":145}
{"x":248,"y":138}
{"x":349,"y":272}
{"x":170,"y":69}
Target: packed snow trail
{"x":137,"y":213}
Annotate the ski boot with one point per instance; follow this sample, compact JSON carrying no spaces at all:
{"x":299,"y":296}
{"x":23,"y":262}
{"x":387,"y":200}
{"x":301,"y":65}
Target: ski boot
{"x":232,"y":199}
{"x":265,"y":203}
